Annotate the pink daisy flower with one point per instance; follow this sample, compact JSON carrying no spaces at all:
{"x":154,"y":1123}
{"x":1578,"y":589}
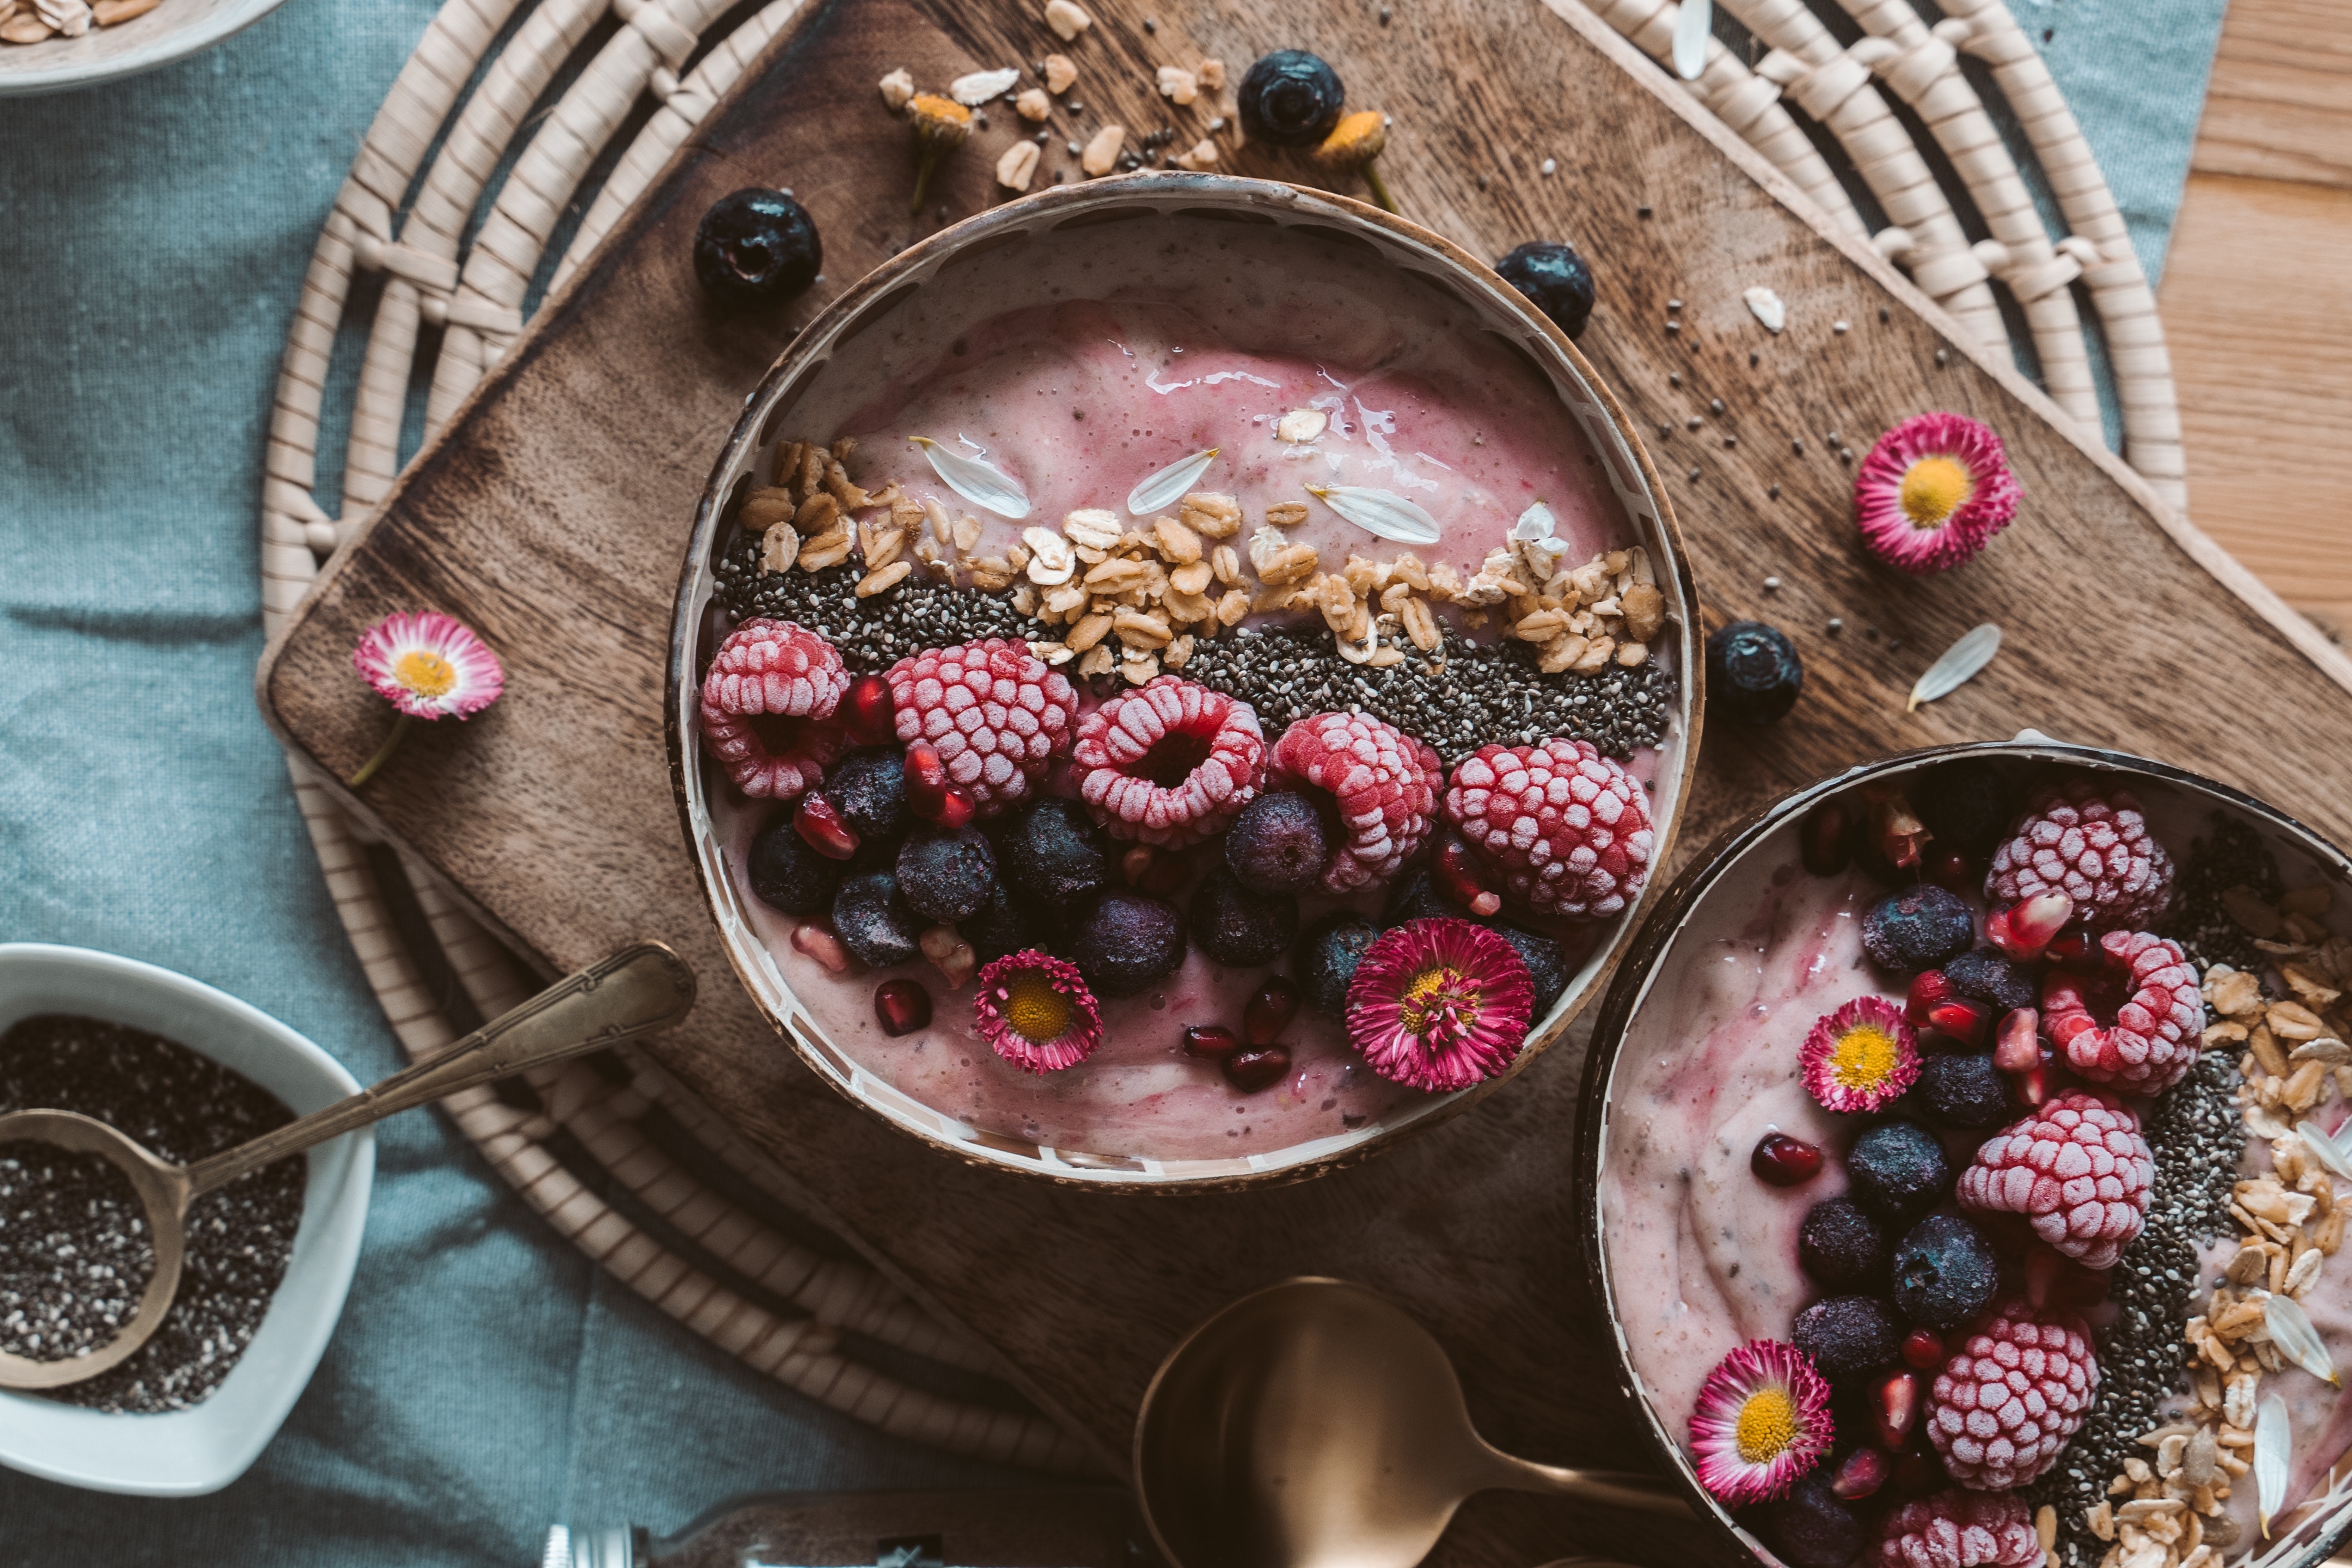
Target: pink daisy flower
{"x":1036,"y":1012}
{"x":1762,"y":1420}
{"x":1860,"y":1057}
{"x":1439,"y":1004}
{"x":1933,"y":492}
{"x":429,"y":666}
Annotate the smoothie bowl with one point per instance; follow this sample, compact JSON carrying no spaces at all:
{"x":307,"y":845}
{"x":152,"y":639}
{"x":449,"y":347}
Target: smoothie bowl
{"x":1176,"y":681}
{"x":1959,"y":1161}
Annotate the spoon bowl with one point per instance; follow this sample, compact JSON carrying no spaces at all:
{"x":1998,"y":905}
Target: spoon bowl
{"x":1316,"y":1425}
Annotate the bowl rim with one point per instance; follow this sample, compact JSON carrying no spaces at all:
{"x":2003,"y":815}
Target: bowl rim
{"x":1638,"y":971}
{"x":166,"y":47}
{"x":1173,"y":193}
{"x":172,"y":1454}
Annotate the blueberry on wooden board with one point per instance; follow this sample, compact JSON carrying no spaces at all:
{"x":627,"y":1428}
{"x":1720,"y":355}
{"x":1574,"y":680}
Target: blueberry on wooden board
{"x":1753,"y":674}
{"x":756,"y":248}
{"x":1553,"y":276}
{"x":1290,"y":99}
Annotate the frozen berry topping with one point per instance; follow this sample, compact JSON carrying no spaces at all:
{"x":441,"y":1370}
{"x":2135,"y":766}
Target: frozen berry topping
{"x":1898,"y":1170}
{"x":1848,"y":1336}
{"x":1168,"y":764}
{"x":765,"y":700}
{"x":1128,"y":940}
{"x":993,"y":712}
{"x":2137,"y":1023}
{"x":1239,"y":927}
{"x":1381,"y":785}
{"x":1917,"y":928}
{"x":1959,"y":1530}
{"x":1841,"y":1247}
{"x":1945,"y":1272}
{"x":2077,"y":1169}
{"x":1566,"y":828}
{"x":2006,"y":1404}
{"x":2092,"y":843}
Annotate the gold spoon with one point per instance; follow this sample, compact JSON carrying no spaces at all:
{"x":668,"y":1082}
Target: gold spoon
{"x":635,"y":992}
{"x":1315,"y":1424}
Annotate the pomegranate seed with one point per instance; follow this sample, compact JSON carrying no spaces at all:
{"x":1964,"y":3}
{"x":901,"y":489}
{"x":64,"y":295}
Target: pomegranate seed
{"x":1895,"y":828}
{"x":902,"y":1006}
{"x":821,"y":829}
{"x":1894,"y":1407}
{"x":1929,"y":990}
{"x":1458,"y":877}
{"x":1863,"y":1472}
{"x":1963,"y":1020}
{"x":1918,"y":1471}
{"x":2024,"y":930}
{"x":2020,"y":1034}
{"x":1256,"y":1067}
{"x":1949,"y":870}
{"x":867,"y":713}
{"x":1823,"y":838}
{"x":1781,"y":1161}
{"x":1923,"y":1349}
{"x":2077,"y":950}
{"x":2031,"y":1087}
{"x":1214,"y":1041}
{"x":956,"y":809}
{"x":1270,"y":1011}
{"x":822,"y":945}
{"x":926,"y":780}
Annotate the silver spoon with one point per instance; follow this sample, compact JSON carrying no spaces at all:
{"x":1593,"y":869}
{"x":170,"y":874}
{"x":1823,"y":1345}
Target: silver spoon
{"x":1315,"y":1424}
{"x":635,"y":992}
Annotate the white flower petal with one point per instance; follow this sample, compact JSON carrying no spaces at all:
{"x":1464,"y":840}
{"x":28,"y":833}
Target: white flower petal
{"x":1767,"y":307}
{"x":1382,"y":513}
{"x":2323,"y":1149}
{"x":1166,"y":488}
{"x":2274,"y":1457}
{"x":1535,"y":522}
{"x":2291,"y":1330}
{"x":976,"y":480}
{"x":1959,"y":664}
{"x":981,"y":86}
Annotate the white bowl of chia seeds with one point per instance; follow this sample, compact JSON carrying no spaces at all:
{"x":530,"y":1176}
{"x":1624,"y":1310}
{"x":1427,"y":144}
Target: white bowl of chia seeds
{"x":187,"y":1070}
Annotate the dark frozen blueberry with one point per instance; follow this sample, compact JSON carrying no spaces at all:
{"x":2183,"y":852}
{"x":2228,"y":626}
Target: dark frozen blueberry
{"x":787,"y":873}
{"x":1414,"y":897}
{"x":1290,"y":99}
{"x":1995,"y":979}
{"x":868,"y":788}
{"x":1945,"y":1272}
{"x":1898,"y":1170}
{"x":1813,"y":1527}
{"x":1326,"y":956}
{"x":1238,"y":928}
{"x":946,"y":874}
{"x":756,"y":248}
{"x":1848,"y":1336}
{"x":1917,"y":928}
{"x":1961,"y":1090}
{"x":1546,"y":965}
{"x":1001,"y":926}
{"x":1279,"y":844}
{"x":1842,"y":1247}
{"x":1964,"y":803}
{"x":873,"y":922}
{"x":1753,"y":674}
{"x":1555,"y":279}
{"x":1053,"y":853}
{"x":1128,"y":940}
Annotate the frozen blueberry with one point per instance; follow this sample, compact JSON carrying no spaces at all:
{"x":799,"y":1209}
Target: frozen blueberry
{"x":1964,"y":803}
{"x":1555,"y":278}
{"x":787,"y":873}
{"x":1813,"y":1527}
{"x":1841,"y":1246}
{"x":1546,"y":965}
{"x":871,"y":917}
{"x":1290,"y":99}
{"x":1898,"y":1170}
{"x":1961,"y":1089}
{"x":756,"y":248}
{"x":1753,"y":674}
{"x":1995,"y":979}
{"x":1414,"y":896}
{"x":1053,"y":853}
{"x":1279,"y":844}
{"x":1003,"y":924}
{"x":868,"y":788}
{"x":1945,"y":1272}
{"x":1326,"y":956}
{"x":1848,"y":1336}
{"x":1918,"y":928}
{"x":946,"y":874}
{"x":1128,"y":940}
{"x":1238,"y":928}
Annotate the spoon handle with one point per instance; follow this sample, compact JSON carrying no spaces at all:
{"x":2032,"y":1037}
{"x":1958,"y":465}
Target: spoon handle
{"x":1618,"y":1489}
{"x":635,"y":992}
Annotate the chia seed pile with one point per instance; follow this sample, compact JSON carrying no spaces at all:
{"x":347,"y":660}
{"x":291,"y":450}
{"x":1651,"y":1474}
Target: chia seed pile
{"x":1482,"y":693}
{"x":184,"y":1107}
{"x":2232,"y":858}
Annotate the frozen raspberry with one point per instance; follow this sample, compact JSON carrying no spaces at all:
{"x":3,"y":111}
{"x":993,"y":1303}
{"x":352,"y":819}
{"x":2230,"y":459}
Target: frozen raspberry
{"x":2077,"y":1168}
{"x":2137,"y":1023}
{"x":766,"y":700}
{"x":993,"y":712}
{"x":2093,"y":846}
{"x":1568,"y":829}
{"x":1959,"y":1530}
{"x":1382,"y":782}
{"x":1168,"y":764}
{"x":2003,"y":1407}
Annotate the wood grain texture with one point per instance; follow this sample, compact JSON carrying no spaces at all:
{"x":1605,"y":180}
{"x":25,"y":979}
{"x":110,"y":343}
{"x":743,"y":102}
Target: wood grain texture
{"x":551,"y":514}
{"x":2279,"y":106}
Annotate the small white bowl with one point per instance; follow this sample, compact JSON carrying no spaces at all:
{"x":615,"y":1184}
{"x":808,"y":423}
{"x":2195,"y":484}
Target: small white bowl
{"x":174,"y":30}
{"x":187,"y":1453}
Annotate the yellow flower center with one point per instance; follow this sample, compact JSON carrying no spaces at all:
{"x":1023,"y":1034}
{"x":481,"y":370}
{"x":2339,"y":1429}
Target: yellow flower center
{"x":1933,"y":490}
{"x":1426,"y":998}
{"x":426,"y":673}
{"x":1866,"y":1055}
{"x":1037,"y":1012}
{"x":1768,"y":1425}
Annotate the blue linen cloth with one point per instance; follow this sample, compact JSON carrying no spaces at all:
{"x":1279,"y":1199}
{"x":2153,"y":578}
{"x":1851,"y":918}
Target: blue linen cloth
{"x":485,"y":1379}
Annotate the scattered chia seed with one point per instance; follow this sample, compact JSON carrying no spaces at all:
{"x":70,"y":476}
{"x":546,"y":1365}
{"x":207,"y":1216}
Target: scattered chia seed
{"x":2232,"y":858}
{"x":184,"y":1107}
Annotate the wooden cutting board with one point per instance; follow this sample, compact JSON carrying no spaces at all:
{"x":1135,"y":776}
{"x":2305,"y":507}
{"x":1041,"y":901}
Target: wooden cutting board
{"x":552,"y":514}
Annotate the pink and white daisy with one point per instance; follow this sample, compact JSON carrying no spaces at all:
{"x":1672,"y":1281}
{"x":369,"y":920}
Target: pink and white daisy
{"x":1933,"y":492}
{"x":1036,"y":1012}
{"x":1762,"y":1420}
{"x":1439,"y":1004}
{"x":1860,"y":1057}
{"x":429,"y":666}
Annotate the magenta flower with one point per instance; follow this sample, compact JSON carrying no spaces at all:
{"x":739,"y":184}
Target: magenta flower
{"x":429,"y":666}
{"x":1036,"y":1012}
{"x":1860,"y":1057}
{"x":1440,"y":1005}
{"x":1762,"y":1420}
{"x":1933,"y":492}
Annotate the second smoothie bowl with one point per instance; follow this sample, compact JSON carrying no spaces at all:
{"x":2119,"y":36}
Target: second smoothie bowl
{"x":1176,"y":681}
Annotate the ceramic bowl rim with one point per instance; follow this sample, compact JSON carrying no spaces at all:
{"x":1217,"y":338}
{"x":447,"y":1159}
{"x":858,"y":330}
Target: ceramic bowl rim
{"x":167,"y":46}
